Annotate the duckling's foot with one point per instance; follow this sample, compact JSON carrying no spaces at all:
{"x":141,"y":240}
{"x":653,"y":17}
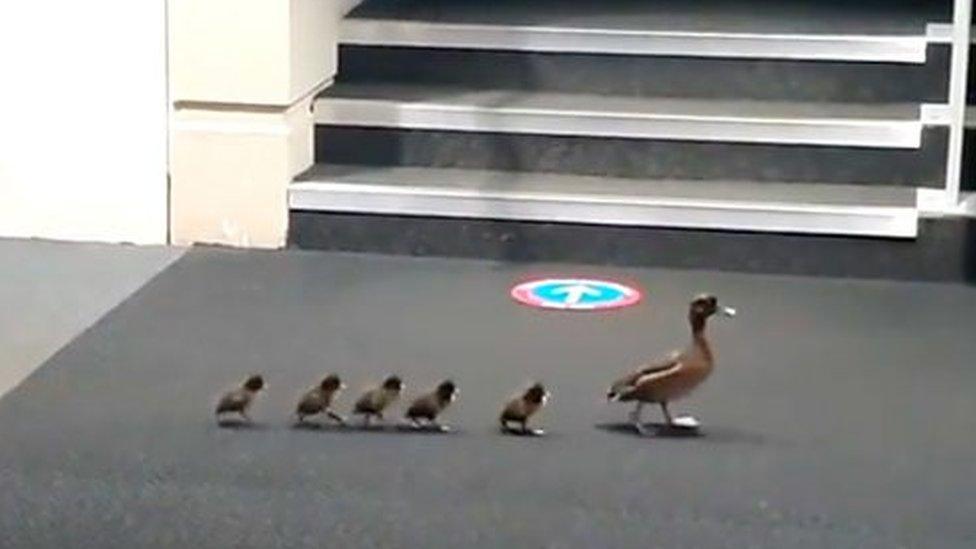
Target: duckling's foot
{"x":338,"y":419}
{"x":529,"y":432}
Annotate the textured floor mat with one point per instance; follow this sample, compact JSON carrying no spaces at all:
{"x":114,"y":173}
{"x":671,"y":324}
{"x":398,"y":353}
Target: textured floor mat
{"x":840,"y":415}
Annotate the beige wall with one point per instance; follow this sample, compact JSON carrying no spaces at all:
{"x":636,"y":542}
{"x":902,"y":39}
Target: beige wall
{"x":242,"y":89}
{"x":93,"y":118}
{"x":261,"y":52}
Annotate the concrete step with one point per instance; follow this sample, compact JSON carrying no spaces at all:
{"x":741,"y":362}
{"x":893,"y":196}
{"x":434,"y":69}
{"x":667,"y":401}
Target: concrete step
{"x":589,"y":115}
{"x":654,"y":75}
{"x":731,"y":205}
{"x":893,"y":31}
{"x":636,"y":158}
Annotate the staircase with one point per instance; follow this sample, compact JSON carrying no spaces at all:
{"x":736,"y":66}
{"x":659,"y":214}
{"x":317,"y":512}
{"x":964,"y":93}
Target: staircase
{"x":804,"y":117}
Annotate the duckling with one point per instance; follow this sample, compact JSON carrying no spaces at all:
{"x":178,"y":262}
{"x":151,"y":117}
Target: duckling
{"x":239,"y":400}
{"x":521,"y":408}
{"x":429,"y":406}
{"x":675,"y":376}
{"x":375,"y":401}
{"x":318,"y":400}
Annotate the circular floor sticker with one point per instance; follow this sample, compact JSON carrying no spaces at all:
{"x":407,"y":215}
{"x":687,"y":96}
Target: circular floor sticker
{"x":575,"y":294}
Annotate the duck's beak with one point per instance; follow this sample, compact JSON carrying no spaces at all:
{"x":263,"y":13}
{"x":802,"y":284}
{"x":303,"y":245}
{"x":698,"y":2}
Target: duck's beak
{"x":728,"y":311}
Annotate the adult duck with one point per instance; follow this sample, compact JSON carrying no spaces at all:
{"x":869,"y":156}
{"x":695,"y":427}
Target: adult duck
{"x":677,"y":375}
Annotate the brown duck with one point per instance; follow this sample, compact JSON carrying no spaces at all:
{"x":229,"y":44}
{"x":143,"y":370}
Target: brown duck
{"x":375,"y":401}
{"x":521,"y":408}
{"x":677,"y":375}
{"x":428,"y":407}
{"x":318,"y":400}
{"x":238,"y":401}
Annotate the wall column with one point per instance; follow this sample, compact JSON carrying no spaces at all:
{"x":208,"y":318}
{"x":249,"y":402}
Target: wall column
{"x":243,"y":75}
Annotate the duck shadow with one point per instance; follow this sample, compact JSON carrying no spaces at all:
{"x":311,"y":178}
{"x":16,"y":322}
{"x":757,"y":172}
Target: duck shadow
{"x":653,"y":429}
{"x":240,"y":425}
{"x":398,"y":429}
{"x":709,"y":434}
{"x":518,"y":433}
{"x":318,"y":427}
{"x":424,"y":430}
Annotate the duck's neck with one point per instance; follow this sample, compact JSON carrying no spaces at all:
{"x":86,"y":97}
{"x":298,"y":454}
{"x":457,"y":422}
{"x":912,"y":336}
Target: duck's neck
{"x":698,"y":338}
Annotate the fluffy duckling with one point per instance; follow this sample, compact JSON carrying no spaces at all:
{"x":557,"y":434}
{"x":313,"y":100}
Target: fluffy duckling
{"x":318,"y":400}
{"x":429,"y":406}
{"x":675,"y":376}
{"x":521,"y":408}
{"x":239,"y":400}
{"x":375,"y":401}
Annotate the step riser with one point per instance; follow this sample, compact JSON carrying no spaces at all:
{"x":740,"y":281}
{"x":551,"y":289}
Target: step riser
{"x":971,"y":89}
{"x":935,"y":256}
{"x":686,"y":77}
{"x":633,"y":158}
{"x":969,"y":161}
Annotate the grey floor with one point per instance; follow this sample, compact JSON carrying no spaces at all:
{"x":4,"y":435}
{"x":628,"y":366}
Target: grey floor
{"x":50,"y":292}
{"x":841,"y":415}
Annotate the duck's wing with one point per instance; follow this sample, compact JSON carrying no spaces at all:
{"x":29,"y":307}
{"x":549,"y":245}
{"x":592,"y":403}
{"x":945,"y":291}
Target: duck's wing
{"x":646,"y":386}
{"x":310,"y":403}
{"x":423,"y":407}
{"x":234,"y":401}
{"x":366,"y":403}
{"x":514,"y":410}
{"x":629,"y":381}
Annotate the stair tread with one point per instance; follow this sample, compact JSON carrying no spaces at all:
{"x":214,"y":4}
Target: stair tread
{"x":467,"y":182}
{"x":744,"y":16}
{"x":456,"y":98}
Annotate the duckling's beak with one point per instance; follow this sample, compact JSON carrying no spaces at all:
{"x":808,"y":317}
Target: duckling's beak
{"x":728,"y":311}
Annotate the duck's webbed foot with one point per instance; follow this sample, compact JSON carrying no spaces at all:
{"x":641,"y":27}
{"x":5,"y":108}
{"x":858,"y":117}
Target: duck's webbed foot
{"x":635,"y":419}
{"x":686,"y":422}
{"x":334,"y":416}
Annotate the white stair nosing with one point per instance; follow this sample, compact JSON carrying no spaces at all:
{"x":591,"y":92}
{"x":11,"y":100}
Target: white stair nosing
{"x":389,"y":113}
{"x":936,"y":203}
{"x":337,"y":195}
{"x":935,"y":114}
{"x":970,"y":117}
{"x":939,"y":33}
{"x":837,"y":47}
{"x":660,"y":201}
